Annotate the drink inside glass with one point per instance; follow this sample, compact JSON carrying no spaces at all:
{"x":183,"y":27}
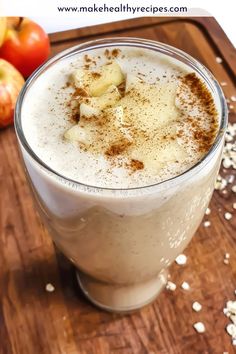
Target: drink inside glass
{"x":121,"y":139}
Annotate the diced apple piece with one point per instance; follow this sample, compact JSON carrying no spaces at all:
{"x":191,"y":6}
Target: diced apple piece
{"x":97,"y":104}
{"x":117,"y":114}
{"x":131,"y":81}
{"x":88,"y":111}
{"x":76,"y":134}
{"x":108,"y":75}
{"x":120,"y":119}
{"x":154,"y":160}
{"x":147,"y":103}
{"x":172,"y":151}
{"x":111,"y":74}
{"x":77,"y":77}
{"x":109,"y":98}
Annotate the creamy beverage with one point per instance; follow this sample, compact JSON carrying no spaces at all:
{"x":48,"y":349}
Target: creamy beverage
{"x":116,"y":143}
{"x":151,"y":120}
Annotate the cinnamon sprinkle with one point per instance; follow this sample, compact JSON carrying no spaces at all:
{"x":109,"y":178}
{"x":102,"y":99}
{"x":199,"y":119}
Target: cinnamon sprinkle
{"x":115,"y":52}
{"x":199,"y":90}
{"x":96,"y":75}
{"x":107,"y":54}
{"x":87,"y":59}
{"x":79,"y":91}
{"x":121,"y":89}
{"x":75,"y":117}
{"x":102,"y":124}
{"x":136,"y":165}
{"x":117,"y":148}
{"x":203,"y":137}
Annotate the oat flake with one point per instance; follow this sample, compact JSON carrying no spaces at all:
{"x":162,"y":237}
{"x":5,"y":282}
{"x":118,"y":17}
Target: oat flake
{"x":181,"y":259}
{"x":50,"y":288}
{"x":199,"y":327}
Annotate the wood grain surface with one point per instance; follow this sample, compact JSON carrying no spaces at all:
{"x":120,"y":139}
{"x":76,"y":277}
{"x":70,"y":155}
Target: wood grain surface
{"x":34,"y":321}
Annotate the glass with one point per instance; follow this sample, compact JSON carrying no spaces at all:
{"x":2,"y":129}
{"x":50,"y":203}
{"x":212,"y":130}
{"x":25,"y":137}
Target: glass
{"x":123,"y":240}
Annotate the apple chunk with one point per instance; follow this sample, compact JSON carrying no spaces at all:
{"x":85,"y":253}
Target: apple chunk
{"x":111,"y":74}
{"x":97,"y":83}
{"x":77,"y":134}
{"x":97,"y":104}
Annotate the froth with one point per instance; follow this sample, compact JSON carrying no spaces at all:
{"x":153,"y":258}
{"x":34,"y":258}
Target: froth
{"x":168,"y":122}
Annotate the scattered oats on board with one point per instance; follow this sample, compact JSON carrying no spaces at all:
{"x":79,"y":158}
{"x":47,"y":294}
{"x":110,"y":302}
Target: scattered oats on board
{"x":228,"y":138}
{"x":230,"y":311}
{"x":233,"y":318}
{"x":227,"y":163}
{"x":226,"y":258}
{"x":185,"y":285}
{"x":196,"y":306}
{"x":231,"y":306}
{"x":207,"y":223}
{"x":221,"y":183}
{"x":229,"y":154}
{"x":199,"y":327}
{"x":234,"y":188}
{"x":181,"y":259}
{"x":50,"y":288}
{"x":227,"y":255}
{"x":228,"y":216}
{"x":234,"y":206}
{"x":208,"y":211}
{"x":231,"y":128}
{"x":226,"y":312}
{"x":231,"y":330}
{"x":231,"y":106}
{"x":233,"y":98}
{"x":170,"y":286}
{"x":230,"y":179}
{"x":219,"y":60}
{"x":228,"y":146}
{"x":223,"y":83}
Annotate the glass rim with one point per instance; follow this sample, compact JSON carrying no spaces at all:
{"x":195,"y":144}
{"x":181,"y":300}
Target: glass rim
{"x":135,"y":42}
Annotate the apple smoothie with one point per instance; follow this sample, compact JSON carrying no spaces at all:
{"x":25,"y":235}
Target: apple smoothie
{"x":122,"y":144}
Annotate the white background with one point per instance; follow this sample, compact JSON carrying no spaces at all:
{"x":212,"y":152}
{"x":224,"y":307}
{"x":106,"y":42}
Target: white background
{"x":45,"y":12}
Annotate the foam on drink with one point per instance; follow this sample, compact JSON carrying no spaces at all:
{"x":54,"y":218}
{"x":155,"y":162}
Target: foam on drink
{"x":160,"y":122}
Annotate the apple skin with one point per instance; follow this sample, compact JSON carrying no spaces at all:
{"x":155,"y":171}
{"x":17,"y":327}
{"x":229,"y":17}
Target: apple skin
{"x":26,"y":45}
{"x":11,"y":82}
{"x":13,"y":22}
{"x":3,"y":27}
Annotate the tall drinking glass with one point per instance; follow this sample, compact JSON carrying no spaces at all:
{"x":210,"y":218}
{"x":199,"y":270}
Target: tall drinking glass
{"x":123,"y":240}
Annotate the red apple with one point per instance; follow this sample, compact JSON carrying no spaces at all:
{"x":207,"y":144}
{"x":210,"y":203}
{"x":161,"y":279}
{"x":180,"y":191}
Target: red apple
{"x":26,"y":45}
{"x":3,"y":27}
{"x":11,"y":82}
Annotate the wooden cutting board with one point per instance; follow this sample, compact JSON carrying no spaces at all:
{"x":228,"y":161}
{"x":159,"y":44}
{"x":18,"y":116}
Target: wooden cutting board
{"x":34,"y":321}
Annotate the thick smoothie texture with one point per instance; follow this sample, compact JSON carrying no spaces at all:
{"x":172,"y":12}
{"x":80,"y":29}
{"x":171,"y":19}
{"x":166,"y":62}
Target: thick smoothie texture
{"x":138,"y":118}
{"x":120,"y":126}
